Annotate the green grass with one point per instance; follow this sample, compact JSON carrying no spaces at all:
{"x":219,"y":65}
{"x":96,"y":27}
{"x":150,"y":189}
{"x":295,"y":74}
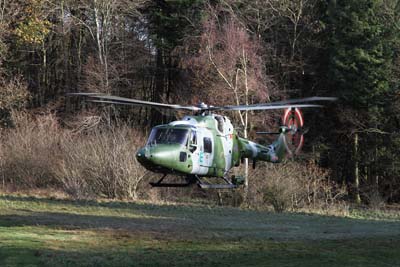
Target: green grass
{"x":51,"y":232}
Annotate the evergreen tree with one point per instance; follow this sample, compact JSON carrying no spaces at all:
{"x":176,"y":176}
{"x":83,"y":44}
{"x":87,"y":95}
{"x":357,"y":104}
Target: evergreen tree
{"x":360,"y":53}
{"x":169,"y":21}
{"x":359,"y":72}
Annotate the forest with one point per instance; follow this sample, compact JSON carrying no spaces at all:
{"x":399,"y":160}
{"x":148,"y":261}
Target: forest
{"x":221,"y":52}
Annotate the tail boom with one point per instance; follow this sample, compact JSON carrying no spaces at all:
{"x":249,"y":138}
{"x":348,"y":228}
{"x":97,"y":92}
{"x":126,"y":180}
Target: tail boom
{"x":274,"y":153}
{"x":289,"y":142}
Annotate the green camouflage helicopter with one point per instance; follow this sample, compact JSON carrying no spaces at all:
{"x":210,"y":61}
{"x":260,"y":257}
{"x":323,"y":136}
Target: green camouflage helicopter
{"x":207,"y":145}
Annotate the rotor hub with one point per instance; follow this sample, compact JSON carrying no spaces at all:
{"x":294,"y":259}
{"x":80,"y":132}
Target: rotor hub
{"x":202,"y":105}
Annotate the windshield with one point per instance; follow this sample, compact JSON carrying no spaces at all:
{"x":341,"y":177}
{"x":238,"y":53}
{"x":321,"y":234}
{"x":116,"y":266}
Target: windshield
{"x":168,"y":136}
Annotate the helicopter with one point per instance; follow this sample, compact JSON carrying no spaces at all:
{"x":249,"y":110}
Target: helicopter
{"x":206,"y":145}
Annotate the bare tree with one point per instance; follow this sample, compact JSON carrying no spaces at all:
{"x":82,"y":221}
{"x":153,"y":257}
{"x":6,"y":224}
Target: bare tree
{"x":102,"y":20}
{"x":228,"y":65}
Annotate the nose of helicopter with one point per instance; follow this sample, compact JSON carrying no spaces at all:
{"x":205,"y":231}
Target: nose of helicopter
{"x":157,"y":156}
{"x":145,"y":157}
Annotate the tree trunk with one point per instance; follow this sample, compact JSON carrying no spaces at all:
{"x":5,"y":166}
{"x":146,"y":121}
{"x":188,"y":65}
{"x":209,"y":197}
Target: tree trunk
{"x":356,"y":171}
{"x":156,"y":116}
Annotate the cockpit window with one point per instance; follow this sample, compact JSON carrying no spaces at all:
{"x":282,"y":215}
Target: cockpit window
{"x":168,"y":136}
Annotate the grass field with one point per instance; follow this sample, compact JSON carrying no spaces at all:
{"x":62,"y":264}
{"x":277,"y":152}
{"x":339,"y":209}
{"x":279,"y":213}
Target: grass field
{"x":51,"y":232}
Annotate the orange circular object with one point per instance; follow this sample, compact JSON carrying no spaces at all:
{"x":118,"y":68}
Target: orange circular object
{"x":294,"y":120}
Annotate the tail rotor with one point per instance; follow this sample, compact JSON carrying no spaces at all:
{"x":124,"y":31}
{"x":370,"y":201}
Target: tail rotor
{"x":294,"y":121}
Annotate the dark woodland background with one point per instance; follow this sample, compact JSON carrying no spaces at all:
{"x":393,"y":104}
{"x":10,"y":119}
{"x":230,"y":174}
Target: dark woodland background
{"x":186,"y":51}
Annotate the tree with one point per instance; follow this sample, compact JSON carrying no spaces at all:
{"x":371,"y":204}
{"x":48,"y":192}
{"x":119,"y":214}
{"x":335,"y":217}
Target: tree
{"x":359,"y":72}
{"x":228,"y":66}
{"x":168,"y":23}
{"x":13,"y":89}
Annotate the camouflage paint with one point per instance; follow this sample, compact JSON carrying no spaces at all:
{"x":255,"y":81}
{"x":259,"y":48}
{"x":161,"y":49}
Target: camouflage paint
{"x":227,"y":149}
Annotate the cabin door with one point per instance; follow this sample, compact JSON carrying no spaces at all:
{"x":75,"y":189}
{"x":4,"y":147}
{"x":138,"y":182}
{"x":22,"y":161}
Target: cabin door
{"x":206,"y":149}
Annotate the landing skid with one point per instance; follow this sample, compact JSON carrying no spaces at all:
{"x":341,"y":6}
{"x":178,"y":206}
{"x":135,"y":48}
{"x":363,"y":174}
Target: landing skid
{"x":159,"y":183}
{"x":228,"y":185}
{"x":195,"y":180}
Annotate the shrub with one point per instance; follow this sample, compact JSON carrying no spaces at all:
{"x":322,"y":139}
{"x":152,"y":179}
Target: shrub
{"x":293,"y":185}
{"x":30,"y":152}
{"x":37,"y":152}
{"x":102,"y":163}
{"x":14,"y":95}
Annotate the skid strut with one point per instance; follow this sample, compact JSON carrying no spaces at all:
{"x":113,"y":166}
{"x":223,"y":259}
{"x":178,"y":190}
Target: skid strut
{"x":194,"y":179}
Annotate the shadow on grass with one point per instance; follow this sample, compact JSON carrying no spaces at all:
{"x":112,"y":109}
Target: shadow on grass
{"x":86,"y":203}
{"x":142,"y":207}
{"x":69,"y":221}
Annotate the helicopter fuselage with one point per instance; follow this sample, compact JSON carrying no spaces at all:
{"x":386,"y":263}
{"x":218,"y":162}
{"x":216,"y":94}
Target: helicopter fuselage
{"x":204,"y":145}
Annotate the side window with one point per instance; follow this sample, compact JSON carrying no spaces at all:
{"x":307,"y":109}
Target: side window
{"x":182,"y":157}
{"x":207,"y":145}
{"x":193,"y":138}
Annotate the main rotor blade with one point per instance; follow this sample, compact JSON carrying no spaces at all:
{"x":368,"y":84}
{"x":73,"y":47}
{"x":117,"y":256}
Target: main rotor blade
{"x":302,"y":100}
{"x":100,"y":98}
{"x":291,"y":103}
{"x":279,"y":104}
{"x":163,"y":111}
{"x":264,"y":107}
